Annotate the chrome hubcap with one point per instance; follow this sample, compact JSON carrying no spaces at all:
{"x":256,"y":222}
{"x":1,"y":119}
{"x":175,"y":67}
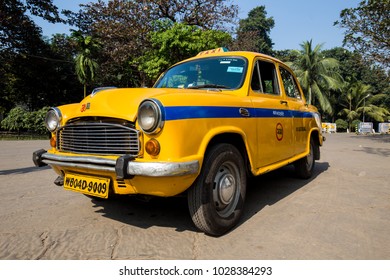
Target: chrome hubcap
{"x":226,"y":189}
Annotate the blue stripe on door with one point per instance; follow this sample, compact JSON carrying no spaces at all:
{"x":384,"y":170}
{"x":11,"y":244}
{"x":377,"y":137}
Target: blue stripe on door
{"x":210,"y":112}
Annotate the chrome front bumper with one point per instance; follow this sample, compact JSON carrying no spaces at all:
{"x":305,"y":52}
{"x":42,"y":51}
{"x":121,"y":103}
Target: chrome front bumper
{"x":124,"y":167}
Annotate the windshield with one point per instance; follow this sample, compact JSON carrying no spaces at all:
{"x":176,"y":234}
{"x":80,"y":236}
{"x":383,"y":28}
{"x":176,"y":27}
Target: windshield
{"x":213,"y":72}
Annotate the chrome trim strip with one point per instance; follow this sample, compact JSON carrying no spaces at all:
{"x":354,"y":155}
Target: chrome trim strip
{"x":163,"y":169}
{"x":149,"y":169}
{"x":80,"y":165}
{"x":93,"y":160}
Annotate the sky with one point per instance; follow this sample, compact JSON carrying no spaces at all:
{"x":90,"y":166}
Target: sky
{"x":296,"y":21}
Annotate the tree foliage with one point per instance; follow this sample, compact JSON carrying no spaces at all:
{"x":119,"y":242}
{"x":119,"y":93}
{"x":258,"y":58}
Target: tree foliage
{"x":355,"y":70}
{"x":367,"y":29}
{"x":124,"y":28}
{"x":206,"y":14}
{"x":15,"y":119}
{"x":177,"y":42}
{"x":317,"y":75}
{"x":17,"y":31}
{"x":20,"y":119}
{"x":253,"y":33}
{"x":85,"y":64}
{"x":358,"y":102}
{"x":341,"y":125}
{"x":33,"y":72}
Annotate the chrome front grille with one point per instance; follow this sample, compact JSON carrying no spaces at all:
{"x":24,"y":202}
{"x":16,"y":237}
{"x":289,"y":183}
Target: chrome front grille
{"x":98,"y":138}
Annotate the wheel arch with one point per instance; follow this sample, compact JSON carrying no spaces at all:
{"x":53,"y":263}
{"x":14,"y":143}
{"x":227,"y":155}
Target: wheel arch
{"x":234,"y":138}
{"x":315,"y":136}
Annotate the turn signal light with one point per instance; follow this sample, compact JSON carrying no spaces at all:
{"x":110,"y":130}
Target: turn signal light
{"x":53,"y":141}
{"x":152,"y":147}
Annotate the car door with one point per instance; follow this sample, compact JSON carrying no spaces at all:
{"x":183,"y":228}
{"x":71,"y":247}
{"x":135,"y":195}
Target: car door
{"x":296,"y":104}
{"x":274,"y":119}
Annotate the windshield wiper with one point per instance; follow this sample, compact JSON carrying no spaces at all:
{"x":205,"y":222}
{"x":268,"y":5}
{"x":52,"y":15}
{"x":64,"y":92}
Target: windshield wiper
{"x":209,"y":86}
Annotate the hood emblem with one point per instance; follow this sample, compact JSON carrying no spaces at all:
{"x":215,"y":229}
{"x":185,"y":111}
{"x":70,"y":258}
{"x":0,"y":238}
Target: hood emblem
{"x":85,"y":107}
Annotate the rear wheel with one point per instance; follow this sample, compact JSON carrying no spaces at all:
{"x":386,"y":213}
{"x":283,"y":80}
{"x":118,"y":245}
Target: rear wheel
{"x":216,"y":199}
{"x":304,"y":167}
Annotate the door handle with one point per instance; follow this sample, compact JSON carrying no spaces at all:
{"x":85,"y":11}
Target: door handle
{"x":283,"y":102}
{"x":244,"y":112}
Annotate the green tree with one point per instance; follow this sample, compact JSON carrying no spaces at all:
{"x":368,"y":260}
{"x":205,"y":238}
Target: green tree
{"x":317,"y":75}
{"x":123,"y":28}
{"x":64,"y":82}
{"x":15,"y":120}
{"x":19,"y":119}
{"x":17,"y":30}
{"x":140,"y":14}
{"x":341,"y":125}
{"x":176,"y":42}
{"x":253,"y":33}
{"x":206,"y":14}
{"x":357,"y":100}
{"x":35,"y":121}
{"x":354,"y":68}
{"x":85,"y":64}
{"x":290,"y":56}
{"x":367,"y":29}
{"x":31,"y":71}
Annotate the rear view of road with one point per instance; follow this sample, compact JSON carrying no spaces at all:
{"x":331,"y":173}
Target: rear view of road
{"x":343,"y":212}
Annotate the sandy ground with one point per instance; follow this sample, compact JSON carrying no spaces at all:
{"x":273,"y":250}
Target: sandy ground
{"x":343,"y":212}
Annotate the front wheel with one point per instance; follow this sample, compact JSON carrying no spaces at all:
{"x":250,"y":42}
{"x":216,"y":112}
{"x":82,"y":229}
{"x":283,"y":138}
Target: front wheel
{"x":216,"y":199}
{"x":304,"y":167}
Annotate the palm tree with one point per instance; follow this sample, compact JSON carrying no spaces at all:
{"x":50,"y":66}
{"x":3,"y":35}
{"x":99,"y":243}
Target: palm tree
{"x":85,"y":66}
{"x":317,"y":75}
{"x":357,"y":100}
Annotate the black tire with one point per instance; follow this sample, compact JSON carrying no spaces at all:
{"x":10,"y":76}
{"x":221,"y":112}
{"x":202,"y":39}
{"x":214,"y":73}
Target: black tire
{"x":216,"y":198}
{"x":304,"y":167}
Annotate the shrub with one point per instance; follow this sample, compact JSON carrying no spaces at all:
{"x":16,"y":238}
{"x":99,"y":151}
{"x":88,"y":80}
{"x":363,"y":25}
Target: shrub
{"x":15,"y":120}
{"x":19,"y":119}
{"x":341,"y":125}
{"x":35,"y":121}
{"x":355,"y":124}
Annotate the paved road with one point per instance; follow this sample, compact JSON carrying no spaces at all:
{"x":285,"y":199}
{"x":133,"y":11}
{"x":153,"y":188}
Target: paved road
{"x":343,"y":212}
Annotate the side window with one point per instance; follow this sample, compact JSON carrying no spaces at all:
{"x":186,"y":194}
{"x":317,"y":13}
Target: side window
{"x":264,"y":78}
{"x":290,"y":86}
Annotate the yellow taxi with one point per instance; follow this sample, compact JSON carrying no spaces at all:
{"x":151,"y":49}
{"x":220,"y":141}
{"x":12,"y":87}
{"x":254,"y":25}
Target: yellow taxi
{"x":207,"y":124}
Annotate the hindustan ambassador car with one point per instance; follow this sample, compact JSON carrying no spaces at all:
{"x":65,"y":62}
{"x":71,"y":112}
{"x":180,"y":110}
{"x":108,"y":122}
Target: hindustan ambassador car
{"x":207,"y":124}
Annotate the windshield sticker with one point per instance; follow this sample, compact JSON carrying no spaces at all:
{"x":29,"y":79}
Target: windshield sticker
{"x":232,"y":69}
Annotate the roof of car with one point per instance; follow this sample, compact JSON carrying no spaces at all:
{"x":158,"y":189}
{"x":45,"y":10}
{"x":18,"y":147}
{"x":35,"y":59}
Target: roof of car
{"x":225,"y":52}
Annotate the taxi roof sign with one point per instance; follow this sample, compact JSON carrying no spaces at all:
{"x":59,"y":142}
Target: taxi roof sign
{"x":217,"y":50}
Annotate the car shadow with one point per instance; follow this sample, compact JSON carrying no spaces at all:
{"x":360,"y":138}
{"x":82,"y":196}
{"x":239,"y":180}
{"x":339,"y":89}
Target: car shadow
{"x":274,"y":186}
{"x":23,"y":170}
{"x":145,"y":212}
{"x":173,"y":212}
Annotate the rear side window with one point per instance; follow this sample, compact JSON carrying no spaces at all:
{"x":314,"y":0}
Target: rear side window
{"x":289,"y":84}
{"x":264,"y":78}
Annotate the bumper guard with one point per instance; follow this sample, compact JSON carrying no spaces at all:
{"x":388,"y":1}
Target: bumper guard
{"x":124,"y":167}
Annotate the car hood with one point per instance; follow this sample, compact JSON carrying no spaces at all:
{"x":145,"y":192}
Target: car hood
{"x":123,"y":103}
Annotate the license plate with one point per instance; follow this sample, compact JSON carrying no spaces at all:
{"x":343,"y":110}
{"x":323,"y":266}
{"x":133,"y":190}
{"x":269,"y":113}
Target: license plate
{"x":87,"y":184}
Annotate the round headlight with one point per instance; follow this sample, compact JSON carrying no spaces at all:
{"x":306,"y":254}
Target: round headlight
{"x":150,"y":116}
{"x":317,"y":117}
{"x":53,"y":119}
